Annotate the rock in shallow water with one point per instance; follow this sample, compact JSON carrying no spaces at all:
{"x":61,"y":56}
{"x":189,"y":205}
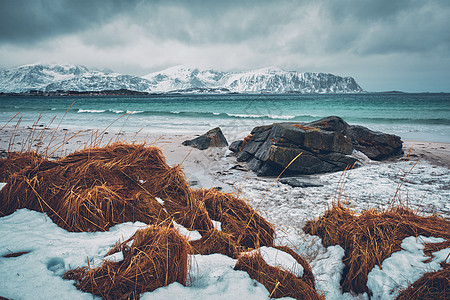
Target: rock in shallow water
{"x":325,"y":146}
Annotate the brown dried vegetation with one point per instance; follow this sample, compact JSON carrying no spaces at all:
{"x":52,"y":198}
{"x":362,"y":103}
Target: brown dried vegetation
{"x":238,"y":218}
{"x":157,"y":257}
{"x":96,"y":188}
{"x":433,"y":285}
{"x":280,"y":283}
{"x":371,"y":237}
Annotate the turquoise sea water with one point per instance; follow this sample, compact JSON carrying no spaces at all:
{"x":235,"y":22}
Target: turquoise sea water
{"x":412,"y":116}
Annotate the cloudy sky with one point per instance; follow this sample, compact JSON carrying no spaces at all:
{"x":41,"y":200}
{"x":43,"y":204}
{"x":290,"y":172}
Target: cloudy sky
{"x":383,"y":44}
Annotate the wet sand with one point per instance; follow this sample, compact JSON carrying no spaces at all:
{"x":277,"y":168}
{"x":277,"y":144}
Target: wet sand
{"x":435,"y":153}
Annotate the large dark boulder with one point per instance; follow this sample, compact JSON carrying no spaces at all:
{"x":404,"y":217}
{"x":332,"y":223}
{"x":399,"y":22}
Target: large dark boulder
{"x":213,"y":138}
{"x":326,"y":146}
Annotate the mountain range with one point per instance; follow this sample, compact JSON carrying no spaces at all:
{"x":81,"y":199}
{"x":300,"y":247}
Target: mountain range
{"x":50,"y":78}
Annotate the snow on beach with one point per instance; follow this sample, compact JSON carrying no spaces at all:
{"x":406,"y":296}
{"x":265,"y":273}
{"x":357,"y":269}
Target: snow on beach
{"x":422,"y":186}
{"x":52,"y":250}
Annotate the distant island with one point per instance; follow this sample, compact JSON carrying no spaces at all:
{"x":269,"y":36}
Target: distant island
{"x":120,"y":92}
{"x":392,"y":92}
{"x":39,"y":79}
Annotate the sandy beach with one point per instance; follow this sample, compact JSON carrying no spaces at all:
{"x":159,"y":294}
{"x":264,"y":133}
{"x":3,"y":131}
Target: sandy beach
{"x":435,"y":153}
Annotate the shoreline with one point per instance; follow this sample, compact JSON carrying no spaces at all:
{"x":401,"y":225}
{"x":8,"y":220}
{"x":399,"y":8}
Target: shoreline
{"x":436,"y":153}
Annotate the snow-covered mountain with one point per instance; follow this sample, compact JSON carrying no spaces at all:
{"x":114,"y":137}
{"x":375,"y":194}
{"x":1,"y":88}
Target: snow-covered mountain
{"x":267,"y":80}
{"x":67,"y":78}
{"x":176,"y":79}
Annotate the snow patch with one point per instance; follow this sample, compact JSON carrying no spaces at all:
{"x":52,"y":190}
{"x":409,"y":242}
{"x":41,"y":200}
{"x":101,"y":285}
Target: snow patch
{"x":52,"y":252}
{"x":191,"y":235}
{"x":115,"y":257}
{"x":217,"y":225}
{"x":404,"y":267}
{"x":212,"y":277}
{"x":277,"y":258}
{"x":327,"y":268}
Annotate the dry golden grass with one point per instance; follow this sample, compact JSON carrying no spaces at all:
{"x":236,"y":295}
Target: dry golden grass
{"x":157,"y":257}
{"x":433,"y":285}
{"x":215,"y":241}
{"x":308,"y":276}
{"x":247,"y":228}
{"x":17,"y":161}
{"x":278,"y":282}
{"x":92,"y":189}
{"x":96,"y":188}
{"x":371,"y":237}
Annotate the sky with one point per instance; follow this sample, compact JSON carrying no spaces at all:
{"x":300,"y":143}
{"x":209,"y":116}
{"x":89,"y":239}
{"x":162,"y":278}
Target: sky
{"x":385,"y":45}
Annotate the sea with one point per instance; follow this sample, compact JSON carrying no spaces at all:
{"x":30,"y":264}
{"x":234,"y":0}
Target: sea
{"x":422,"y":117}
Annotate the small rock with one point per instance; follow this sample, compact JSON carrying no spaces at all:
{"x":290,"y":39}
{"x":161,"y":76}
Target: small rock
{"x":213,"y":138}
{"x":239,"y":168}
{"x":302,"y":182}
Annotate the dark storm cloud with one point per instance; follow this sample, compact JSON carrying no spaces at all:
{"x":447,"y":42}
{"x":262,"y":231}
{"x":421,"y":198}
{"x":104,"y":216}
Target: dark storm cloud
{"x":25,"y":21}
{"x":192,"y":22}
{"x":365,"y":26}
{"x":387,"y":26}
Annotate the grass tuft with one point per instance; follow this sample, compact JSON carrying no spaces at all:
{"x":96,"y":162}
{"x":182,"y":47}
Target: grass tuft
{"x":371,"y":237}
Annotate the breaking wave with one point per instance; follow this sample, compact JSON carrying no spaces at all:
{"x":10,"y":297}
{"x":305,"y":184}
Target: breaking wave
{"x":304,"y":118}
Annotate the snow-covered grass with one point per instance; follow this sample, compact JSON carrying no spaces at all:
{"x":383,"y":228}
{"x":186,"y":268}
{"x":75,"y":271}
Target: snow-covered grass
{"x":404,"y":267}
{"x":422,"y":186}
{"x":426,"y":188}
{"x":52,"y":250}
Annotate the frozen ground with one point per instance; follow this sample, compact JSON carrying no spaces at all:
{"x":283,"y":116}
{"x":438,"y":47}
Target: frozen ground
{"x":424,"y":186}
{"x":421,"y":185}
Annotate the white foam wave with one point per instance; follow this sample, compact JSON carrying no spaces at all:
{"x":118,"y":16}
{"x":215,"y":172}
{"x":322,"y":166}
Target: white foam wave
{"x":116,"y":111}
{"x":132,"y":112}
{"x":96,"y":111}
{"x":282,"y":117}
